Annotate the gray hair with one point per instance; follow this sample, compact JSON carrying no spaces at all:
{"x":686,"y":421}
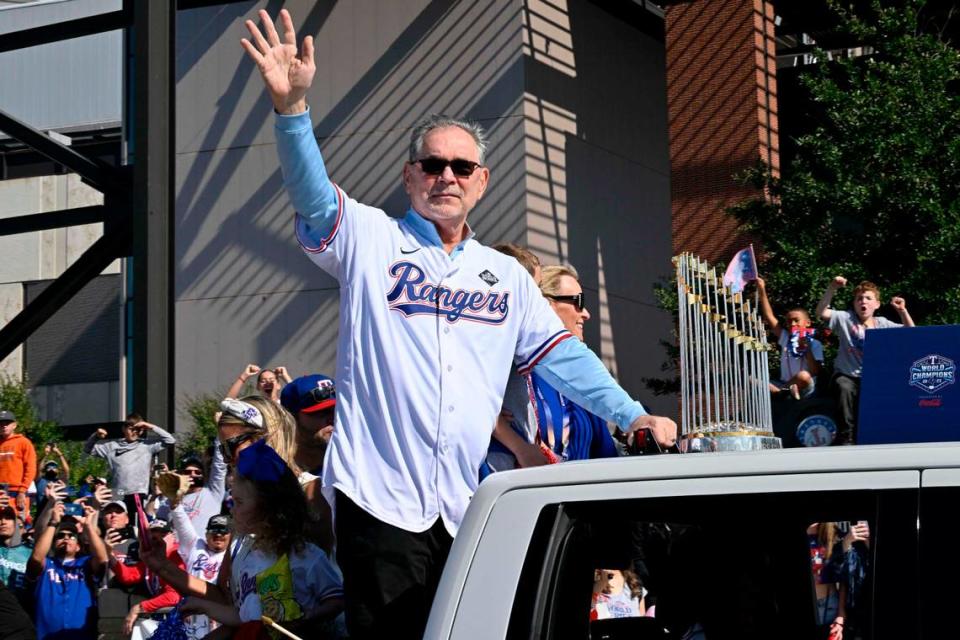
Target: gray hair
{"x":436,"y":121}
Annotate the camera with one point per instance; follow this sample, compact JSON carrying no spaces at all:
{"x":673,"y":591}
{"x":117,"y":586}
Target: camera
{"x":73,"y":509}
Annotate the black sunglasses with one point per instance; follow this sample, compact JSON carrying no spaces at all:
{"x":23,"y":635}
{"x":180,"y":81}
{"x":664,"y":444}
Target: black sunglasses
{"x":66,"y":534}
{"x":322,"y":394}
{"x":230,"y":445}
{"x":575,"y":300}
{"x":435,"y":166}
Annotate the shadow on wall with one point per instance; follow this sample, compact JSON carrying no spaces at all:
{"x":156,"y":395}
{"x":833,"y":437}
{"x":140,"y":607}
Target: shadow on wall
{"x":598,"y":173}
{"x":574,"y":102}
{"x":364,"y":138}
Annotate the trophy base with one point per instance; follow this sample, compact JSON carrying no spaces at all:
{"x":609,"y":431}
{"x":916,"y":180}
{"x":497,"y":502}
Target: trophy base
{"x":703,"y":442}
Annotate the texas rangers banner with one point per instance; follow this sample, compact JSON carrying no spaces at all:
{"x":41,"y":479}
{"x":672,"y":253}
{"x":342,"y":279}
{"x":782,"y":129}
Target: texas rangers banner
{"x":741,"y":270}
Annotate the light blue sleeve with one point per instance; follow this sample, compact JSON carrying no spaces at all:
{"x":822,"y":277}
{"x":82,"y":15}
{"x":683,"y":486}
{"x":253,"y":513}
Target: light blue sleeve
{"x":575,"y":371}
{"x":313,"y":196}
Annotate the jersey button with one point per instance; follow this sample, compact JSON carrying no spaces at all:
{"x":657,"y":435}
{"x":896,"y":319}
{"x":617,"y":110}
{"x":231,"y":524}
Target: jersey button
{"x":449,"y":368}
{"x":446,"y":329}
{"x":450,"y":408}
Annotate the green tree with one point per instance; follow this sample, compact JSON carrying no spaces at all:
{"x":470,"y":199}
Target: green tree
{"x":200,"y":409}
{"x":873,"y":192}
{"x":15,"y":398}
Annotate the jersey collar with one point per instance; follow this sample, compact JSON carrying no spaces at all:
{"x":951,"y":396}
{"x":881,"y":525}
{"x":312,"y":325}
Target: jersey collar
{"x":427,"y":232}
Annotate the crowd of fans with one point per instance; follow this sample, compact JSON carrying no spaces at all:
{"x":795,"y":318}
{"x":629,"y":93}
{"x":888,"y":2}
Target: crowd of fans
{"x":239,"y":532}
{"x":244,"y":530}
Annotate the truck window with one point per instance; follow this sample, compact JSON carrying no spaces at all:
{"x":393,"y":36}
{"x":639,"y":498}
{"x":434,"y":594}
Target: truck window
{"x":729,"y":566}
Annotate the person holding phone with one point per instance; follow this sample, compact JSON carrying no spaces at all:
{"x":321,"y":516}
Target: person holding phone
{"x":119,"y":535}
{"x":66,"y":578}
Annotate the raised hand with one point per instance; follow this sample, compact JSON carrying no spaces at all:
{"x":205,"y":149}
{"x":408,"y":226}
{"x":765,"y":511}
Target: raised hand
{"x":286,"y":74}
{"x":90,"y":516}
{"x":250,"y":371}
{"x":56,"y":491}
{"x":57,"y":514}
{"x":898,"y":303}
{"x":101,"y":433}
{"x":838,"y":282}
{"x":102,"y":495}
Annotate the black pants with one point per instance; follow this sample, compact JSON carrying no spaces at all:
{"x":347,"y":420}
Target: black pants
{"x":389,"y":575}
{"x":846,"y":392}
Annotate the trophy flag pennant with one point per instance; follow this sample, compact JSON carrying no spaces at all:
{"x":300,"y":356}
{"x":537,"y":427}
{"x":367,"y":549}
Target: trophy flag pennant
{"x":742,"y":269}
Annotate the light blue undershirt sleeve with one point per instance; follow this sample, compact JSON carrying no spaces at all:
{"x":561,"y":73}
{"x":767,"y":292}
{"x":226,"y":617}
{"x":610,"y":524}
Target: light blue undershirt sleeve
{"x":312,"y":194}
{"x":575,"y":371}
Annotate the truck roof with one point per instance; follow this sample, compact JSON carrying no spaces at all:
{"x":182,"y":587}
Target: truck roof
{"x":887,"y":457}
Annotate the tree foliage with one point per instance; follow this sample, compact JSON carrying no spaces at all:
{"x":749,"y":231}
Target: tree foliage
{"x":14,"y":398}
{"x":874,"y":190}
{"x":200,"y":409}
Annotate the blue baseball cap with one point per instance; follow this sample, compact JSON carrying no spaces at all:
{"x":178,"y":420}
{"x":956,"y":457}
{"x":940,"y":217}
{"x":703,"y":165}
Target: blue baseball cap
{"x":309,"y":393}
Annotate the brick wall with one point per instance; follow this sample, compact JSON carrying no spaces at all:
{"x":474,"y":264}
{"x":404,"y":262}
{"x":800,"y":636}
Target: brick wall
{"x":721,"y":95}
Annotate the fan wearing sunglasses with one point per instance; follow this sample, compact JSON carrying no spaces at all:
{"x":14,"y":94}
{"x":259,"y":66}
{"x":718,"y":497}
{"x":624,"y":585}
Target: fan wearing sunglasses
{"x":67,"y":578}
{"x":204,"y":497}
{"x":569,"y":430}
{"x":421,"y":299}
{"x":243,"y":422}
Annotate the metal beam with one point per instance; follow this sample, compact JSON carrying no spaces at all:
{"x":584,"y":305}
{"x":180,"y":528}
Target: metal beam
{"x":65,"y":30}
{"x":152,"y":147}
{"x":102,"y":177}
{"x":53,"y":220}
{"x":88,"y":266}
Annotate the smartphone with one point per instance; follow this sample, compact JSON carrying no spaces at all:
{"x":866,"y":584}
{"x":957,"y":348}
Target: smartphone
{"x":126,"y":533}
{"x":73,"y":509}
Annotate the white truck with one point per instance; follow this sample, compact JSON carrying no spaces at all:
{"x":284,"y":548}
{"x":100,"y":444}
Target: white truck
{"x":722,"y":540}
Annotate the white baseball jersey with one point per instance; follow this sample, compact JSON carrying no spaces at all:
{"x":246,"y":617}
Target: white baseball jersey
{"x":425,"y":345}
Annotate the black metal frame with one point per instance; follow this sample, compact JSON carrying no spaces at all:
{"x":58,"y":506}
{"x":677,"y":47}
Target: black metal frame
{"x":138,"y":199}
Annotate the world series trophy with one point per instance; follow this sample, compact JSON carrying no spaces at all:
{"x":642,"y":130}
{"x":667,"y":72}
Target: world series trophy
{"x":724,"y":371}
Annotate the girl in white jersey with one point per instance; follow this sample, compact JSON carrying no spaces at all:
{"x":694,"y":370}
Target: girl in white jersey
{"x":273,"y":570}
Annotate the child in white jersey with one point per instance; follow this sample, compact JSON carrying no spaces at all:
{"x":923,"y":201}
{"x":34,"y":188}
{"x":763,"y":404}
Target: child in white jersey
{"x":273,"y":570}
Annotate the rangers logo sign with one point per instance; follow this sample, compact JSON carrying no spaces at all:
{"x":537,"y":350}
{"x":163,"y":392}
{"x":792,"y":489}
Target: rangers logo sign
{"x":932,"y":373}
{"x":817,"y":431}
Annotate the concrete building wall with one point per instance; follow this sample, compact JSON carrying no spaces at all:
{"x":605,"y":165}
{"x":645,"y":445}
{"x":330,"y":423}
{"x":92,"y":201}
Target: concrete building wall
{"x":45,"y":255}
{"x":573,"y":98}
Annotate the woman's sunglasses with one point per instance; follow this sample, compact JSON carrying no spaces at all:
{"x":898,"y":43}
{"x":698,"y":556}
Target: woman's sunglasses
{"x":435,"y":166}
{"x":230,"y":445}
{"x":575,"y":300}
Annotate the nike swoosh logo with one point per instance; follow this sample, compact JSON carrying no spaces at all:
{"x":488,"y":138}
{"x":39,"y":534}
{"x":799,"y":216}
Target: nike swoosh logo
{"x":120,"y":452}
{"x":409,"y":251}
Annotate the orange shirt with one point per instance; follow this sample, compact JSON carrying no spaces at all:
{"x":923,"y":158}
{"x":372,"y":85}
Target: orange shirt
{"x":18,"y":462}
